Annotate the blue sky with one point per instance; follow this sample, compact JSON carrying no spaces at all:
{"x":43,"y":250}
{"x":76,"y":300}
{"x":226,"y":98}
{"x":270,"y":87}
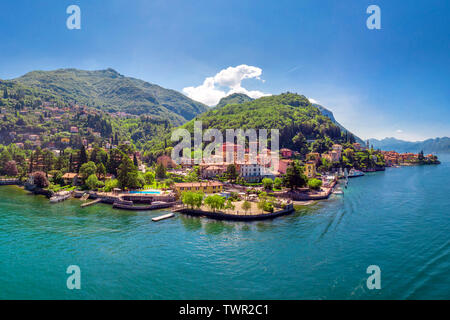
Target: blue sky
{"x":389,"y":82}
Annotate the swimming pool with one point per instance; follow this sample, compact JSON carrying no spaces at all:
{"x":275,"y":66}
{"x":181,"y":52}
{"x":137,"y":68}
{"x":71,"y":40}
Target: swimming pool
{"x":147,"y":192}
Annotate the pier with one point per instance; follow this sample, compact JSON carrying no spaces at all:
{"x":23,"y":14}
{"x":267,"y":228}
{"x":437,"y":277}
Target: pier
{"x":165,"y":216}
{"x":91,"y":203}
{"x":8,"y":182}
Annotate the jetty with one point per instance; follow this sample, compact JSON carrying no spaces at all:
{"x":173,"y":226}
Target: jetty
{"x":165,"y":216}
{"x":91,"y":202}
{"x":129,"y":205}
{"x":6,"y":182}
{"x":61,"y":196}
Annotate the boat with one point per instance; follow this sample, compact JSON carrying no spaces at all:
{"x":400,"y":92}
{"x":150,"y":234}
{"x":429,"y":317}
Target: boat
{"x":355,"y":173}
{"x":338,"y":191}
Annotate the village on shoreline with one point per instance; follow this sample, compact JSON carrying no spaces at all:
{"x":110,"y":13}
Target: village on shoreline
{"x":237,"y":190}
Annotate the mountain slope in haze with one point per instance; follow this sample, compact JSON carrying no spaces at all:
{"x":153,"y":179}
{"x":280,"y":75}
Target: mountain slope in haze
{"x":110,"y":91}
{"x":330,"y":115}
{"x":233,"y":98}
{"x":437,"y":145}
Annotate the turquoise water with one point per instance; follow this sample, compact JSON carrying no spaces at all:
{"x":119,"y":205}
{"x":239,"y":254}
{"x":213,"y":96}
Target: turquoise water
{"x":398,"y":220}
{"x":146,"y":192}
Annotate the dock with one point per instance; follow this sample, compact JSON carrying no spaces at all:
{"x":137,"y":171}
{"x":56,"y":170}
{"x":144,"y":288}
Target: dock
{"x":165,"y":216}
{"x":84,"y":197}
{"x":90,"y":203}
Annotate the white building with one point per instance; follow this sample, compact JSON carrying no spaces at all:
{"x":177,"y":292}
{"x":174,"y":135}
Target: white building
{"x":250,"y":171}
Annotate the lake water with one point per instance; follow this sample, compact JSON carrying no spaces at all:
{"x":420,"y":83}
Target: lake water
{"x":398,"y":219}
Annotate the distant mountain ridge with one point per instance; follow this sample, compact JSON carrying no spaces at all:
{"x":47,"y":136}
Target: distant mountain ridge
{"x":110,"y":91}
{"x":330,"y":115}
{"x":437,"y":145}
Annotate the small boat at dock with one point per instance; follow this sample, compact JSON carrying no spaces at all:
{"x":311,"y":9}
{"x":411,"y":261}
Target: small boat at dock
{"x":355,"y":173}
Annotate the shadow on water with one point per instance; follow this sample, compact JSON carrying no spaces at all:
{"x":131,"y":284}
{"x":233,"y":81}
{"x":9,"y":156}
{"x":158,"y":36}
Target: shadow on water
{"x":217,"y":227}
{"x":191,"y":223}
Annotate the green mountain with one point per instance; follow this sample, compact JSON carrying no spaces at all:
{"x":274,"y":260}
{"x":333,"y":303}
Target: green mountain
{"x":291,"y":113}
{"x":437,"y":145}
{"x":36,"y":117}
{"x":112,"y":92}
{"x":238,"y":98}
{"x":233,"y":98}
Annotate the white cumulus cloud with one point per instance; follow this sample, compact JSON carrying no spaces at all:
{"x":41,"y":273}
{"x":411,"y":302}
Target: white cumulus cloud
{"x":313,"y":100}
{"x":224,"y":83}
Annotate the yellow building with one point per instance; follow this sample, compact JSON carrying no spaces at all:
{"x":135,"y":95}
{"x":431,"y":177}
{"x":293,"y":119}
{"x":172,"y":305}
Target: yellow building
{"x":310,"y":169}
{"x":205,"y":187}
{"x":65,"y":140}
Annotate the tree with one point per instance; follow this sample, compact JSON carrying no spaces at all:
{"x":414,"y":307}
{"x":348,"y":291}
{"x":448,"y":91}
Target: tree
{"x":57,"y":177}
{"x":246,"y":206}
{"x":160,"y":171}
{"x":40,"y":179}
{"x":278,"y":183}
{"x":88,"y":169}
{"x":192,"y":176}
{"x":294,"y":176}
{"x":127,"y":174}
{"x":5,"y":94}
{"x":187,"y":197}
{"x":149,"y":177}
{"x":300,"y":143}
{"x":229,"y":205}
{"x":326,"y":165}
{"x":215,"y":202}
{"x":320,"y":146}
{"x":314,"y":184}
{"x":169,"y":182}
{"x":83,"y":158}
{"x":5,"y":156}
{"x":111,"y":184}
{"x":192,"y":199}
{"x":420,"y":156}
{"x":267,"y":183}
{"x":92,"y":182}
{"x":101,"y":170}
{"x":135,"y":161}
{"x":10,"y":168}
{"x":231,"y":172}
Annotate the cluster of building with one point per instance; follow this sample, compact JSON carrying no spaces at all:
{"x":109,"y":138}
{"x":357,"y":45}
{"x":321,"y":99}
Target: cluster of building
{"x":251,"y":168}
{"x":393,"y":158}
{"x":60,"y":137}
{"x":256,"y":169}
